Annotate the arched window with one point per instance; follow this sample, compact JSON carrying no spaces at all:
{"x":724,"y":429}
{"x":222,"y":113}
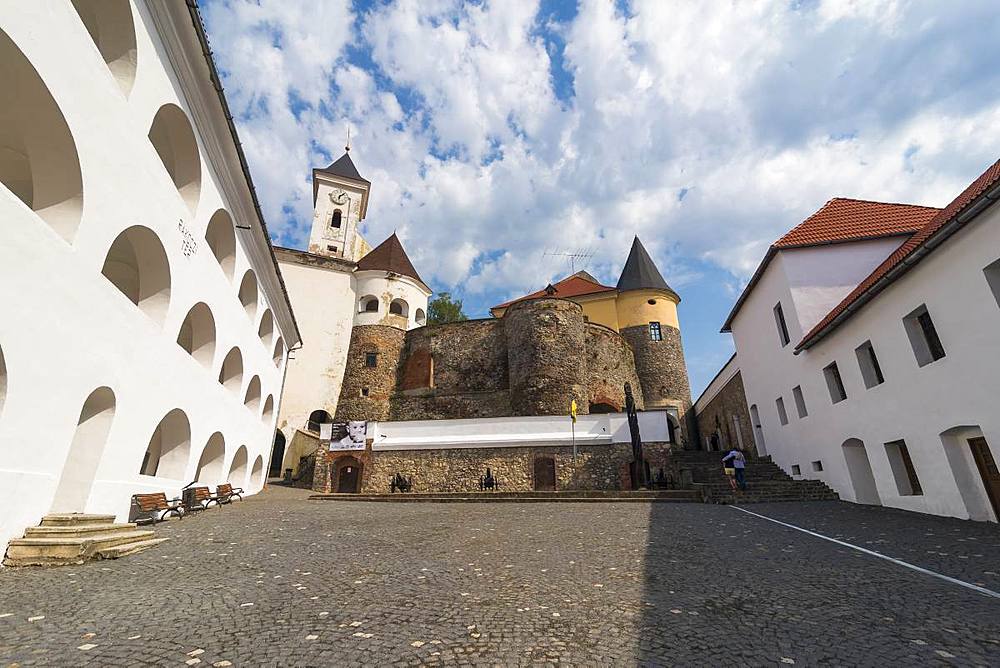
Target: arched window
{"x":266,"y":328}
{"x":252,"y":398}
{"x":231,"y":373}
{"x":210,"y":463}
{"x":316,"y":418}
{"x":335,"y":220}
{"x":221,"y":238}
{"x":399,"y":307}
{"x":238,"y":469}
{"x":279,"y":351}
{"x":109,"y":23}
{"x":368,"y":304}
{"x":257,"y":473}
{"x":38,"y":158}
{"x":137,"y":265}
{"x":268,"y":412}
{"x":420,"y":317}
{"x":85,"y":452}
{"x":197,"y":334}
{"x":248,"y":292}
{"x":169,"y":447}
{"x":175,"y":143}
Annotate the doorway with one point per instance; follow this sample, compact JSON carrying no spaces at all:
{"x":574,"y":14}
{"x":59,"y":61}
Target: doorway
{"x":349,"y":476}
{"x":277,"y":455}
{"x":545,"y":474}
{"x":859,"y":469}
{"x":85,"y":452}
{"x":988,"y":470}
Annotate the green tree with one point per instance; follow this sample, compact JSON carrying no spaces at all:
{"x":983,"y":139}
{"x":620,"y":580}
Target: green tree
{"x":444,"y":309}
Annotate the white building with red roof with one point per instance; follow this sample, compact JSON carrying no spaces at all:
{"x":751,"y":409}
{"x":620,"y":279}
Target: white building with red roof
{"x":867,"y":341}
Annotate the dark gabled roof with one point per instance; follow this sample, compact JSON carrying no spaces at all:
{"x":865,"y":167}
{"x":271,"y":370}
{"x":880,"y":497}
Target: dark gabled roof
{"x":344,"y":167}
{"x":640,"y":272}
{"x":390,"y":256}
{"x":579,"y":284}
{"x":972,"y":201}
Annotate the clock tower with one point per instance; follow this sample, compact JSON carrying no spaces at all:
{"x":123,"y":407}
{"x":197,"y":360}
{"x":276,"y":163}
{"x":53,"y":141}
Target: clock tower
{"x":340,"y":202}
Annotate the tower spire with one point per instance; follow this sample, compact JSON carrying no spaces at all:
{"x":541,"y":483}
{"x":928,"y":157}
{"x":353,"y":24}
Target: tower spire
{"x":348,"y":146}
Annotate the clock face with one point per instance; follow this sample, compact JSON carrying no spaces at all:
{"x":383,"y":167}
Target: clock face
{"x":339,"y":197}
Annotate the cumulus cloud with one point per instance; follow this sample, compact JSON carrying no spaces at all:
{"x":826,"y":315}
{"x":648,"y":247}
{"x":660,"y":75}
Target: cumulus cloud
{"x":493,"y":131}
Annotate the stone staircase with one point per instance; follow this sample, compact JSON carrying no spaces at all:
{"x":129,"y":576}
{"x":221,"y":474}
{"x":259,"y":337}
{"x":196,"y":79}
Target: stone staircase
{"x":73,"y":538}
{"x":572,"y":496}
{"x":766,"y":481}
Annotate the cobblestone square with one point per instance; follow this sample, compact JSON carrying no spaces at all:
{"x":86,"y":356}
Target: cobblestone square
{"x":277,"y":580}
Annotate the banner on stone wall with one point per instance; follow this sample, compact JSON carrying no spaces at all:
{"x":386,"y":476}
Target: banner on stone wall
{"x":349,"y":435}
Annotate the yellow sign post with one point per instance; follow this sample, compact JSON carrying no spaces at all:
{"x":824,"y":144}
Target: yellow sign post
{"x":572,"y":415}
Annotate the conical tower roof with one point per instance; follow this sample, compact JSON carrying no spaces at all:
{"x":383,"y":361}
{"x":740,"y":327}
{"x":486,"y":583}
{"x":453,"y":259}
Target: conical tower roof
{"x":390,"y":256}
{"x":640,"y":272}
{"x":344,"y":167}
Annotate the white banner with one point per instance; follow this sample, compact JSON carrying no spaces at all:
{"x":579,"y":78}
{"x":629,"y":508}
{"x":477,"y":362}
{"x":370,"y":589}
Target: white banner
{"x":350,"y":436}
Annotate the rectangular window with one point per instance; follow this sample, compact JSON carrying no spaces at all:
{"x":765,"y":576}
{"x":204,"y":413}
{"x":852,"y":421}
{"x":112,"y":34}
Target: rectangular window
{"x":871,"y":372}
{"x":796,"y":469}
{"x":817,"y":465}
{"x":834,"y":383}
{"x":923,"y":336}
{"x":800,"y":401}
{"x":993,"y":279}
{"x":371,"y":359}
{"x":903,"y":470}
{"x":779,"y":320}
{"x":782,"y":415}
{"x":364,"y":391}
{"x":654,"y":331}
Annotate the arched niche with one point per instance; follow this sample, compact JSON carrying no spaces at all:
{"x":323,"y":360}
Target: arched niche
{"x":169,"y":447}
{"x":368,"y":304}
{"x":257,"y":473}
{"x":268,"y":413}
{"x":85,"y":452}
{"x":212,"y":458}
{"x":279,"y":351}
{"x":173,"y":138}
{"x":266,"y":329}
{"x":420,"y":317}
{"x":38,"y":158}
{"x":316,"y":418}
{"x":252,"y":398}
{"x":399,"y":307}
{"x":238,"y":469}
{"x":231,"y":373}
{"x":109,"y":23}
{"x":221,"y":238}
{"x":137,"y":265}
{"x":248,"y":292}
{"x":197,"y":334}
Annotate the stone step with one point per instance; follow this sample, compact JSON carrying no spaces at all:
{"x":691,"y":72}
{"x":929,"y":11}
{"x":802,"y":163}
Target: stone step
{"x":66,"y":519}
{"x":77,"y":530}
{"x":56,"y":550}
{"x":126,"y":549}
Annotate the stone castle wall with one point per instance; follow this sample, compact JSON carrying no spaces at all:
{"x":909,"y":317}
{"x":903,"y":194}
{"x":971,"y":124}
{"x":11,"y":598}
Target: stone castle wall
{"x":458,"y":470}
{"x":663,"y":373}
{"x":610,"y":365}
{"x":716,"y":419}
{"x":367,"y":392}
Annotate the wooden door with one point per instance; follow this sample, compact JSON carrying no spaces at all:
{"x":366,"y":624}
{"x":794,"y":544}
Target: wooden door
{"x":545,"y":474}
{"x":349,"y":480}
{"x":988,"y":470}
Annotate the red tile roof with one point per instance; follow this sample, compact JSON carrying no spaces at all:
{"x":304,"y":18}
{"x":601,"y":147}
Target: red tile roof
{"x":390,"y":256}
{"x":914,"y":248}
{"x":579,"y":284}
{"x":842,"y":220}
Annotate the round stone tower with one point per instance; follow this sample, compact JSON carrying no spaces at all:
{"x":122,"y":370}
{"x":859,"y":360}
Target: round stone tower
{"x":370,"y":373}
{"x":546,"y":339}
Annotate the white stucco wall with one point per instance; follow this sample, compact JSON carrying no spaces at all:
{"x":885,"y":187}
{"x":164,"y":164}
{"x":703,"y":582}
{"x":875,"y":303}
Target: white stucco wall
{"x":324,"y":303}
{"x":934,"y":408}
{"x":386,"y":288}
{"x":67,"y":331}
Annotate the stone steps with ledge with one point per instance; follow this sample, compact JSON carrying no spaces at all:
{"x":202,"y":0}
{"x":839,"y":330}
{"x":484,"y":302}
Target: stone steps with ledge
{"x":71,"y":538}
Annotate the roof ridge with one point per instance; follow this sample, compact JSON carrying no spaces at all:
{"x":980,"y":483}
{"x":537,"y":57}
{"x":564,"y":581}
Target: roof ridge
{"x":877,"y":201}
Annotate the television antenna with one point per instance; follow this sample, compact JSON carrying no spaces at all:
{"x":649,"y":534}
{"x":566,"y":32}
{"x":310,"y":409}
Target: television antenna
{"x":582,"y":256}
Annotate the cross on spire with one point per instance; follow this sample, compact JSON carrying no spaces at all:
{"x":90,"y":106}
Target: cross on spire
{"x":348,"y":147}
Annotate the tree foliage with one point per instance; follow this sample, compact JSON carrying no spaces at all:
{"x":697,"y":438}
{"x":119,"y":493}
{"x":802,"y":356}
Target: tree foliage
{"x":444,"y":309}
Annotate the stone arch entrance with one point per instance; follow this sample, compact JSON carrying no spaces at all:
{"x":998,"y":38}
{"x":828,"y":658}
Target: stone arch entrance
{"x":545,"y":474}
{"x":347,"y":475}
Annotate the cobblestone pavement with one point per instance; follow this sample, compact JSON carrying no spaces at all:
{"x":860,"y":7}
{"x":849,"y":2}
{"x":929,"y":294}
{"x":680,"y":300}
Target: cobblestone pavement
{"x":277,"y":580}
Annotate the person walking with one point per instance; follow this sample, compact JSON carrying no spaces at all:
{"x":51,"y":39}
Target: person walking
{"x":738,"y":464}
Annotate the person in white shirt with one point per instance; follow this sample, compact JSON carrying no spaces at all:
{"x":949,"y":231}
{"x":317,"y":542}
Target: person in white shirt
{"x":739,"y":464}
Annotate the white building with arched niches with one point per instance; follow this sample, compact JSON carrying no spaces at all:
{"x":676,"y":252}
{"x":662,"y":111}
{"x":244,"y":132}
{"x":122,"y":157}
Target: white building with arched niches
{"x":145,"y":327}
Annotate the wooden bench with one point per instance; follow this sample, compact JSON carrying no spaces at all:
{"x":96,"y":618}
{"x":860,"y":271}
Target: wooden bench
{"x":198,"y":498}
{"x":154,"y":507}
{"x":224,"y":493}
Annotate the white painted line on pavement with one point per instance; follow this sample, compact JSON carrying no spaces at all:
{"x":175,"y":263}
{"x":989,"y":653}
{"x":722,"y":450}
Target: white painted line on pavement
{"x":898,"y":562}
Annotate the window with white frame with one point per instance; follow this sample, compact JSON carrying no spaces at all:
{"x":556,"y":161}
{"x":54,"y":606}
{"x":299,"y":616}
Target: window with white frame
{"x":779,"y":321}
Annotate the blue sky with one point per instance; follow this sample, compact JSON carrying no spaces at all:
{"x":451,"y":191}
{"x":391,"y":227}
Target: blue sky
{"x":495,"y":132}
